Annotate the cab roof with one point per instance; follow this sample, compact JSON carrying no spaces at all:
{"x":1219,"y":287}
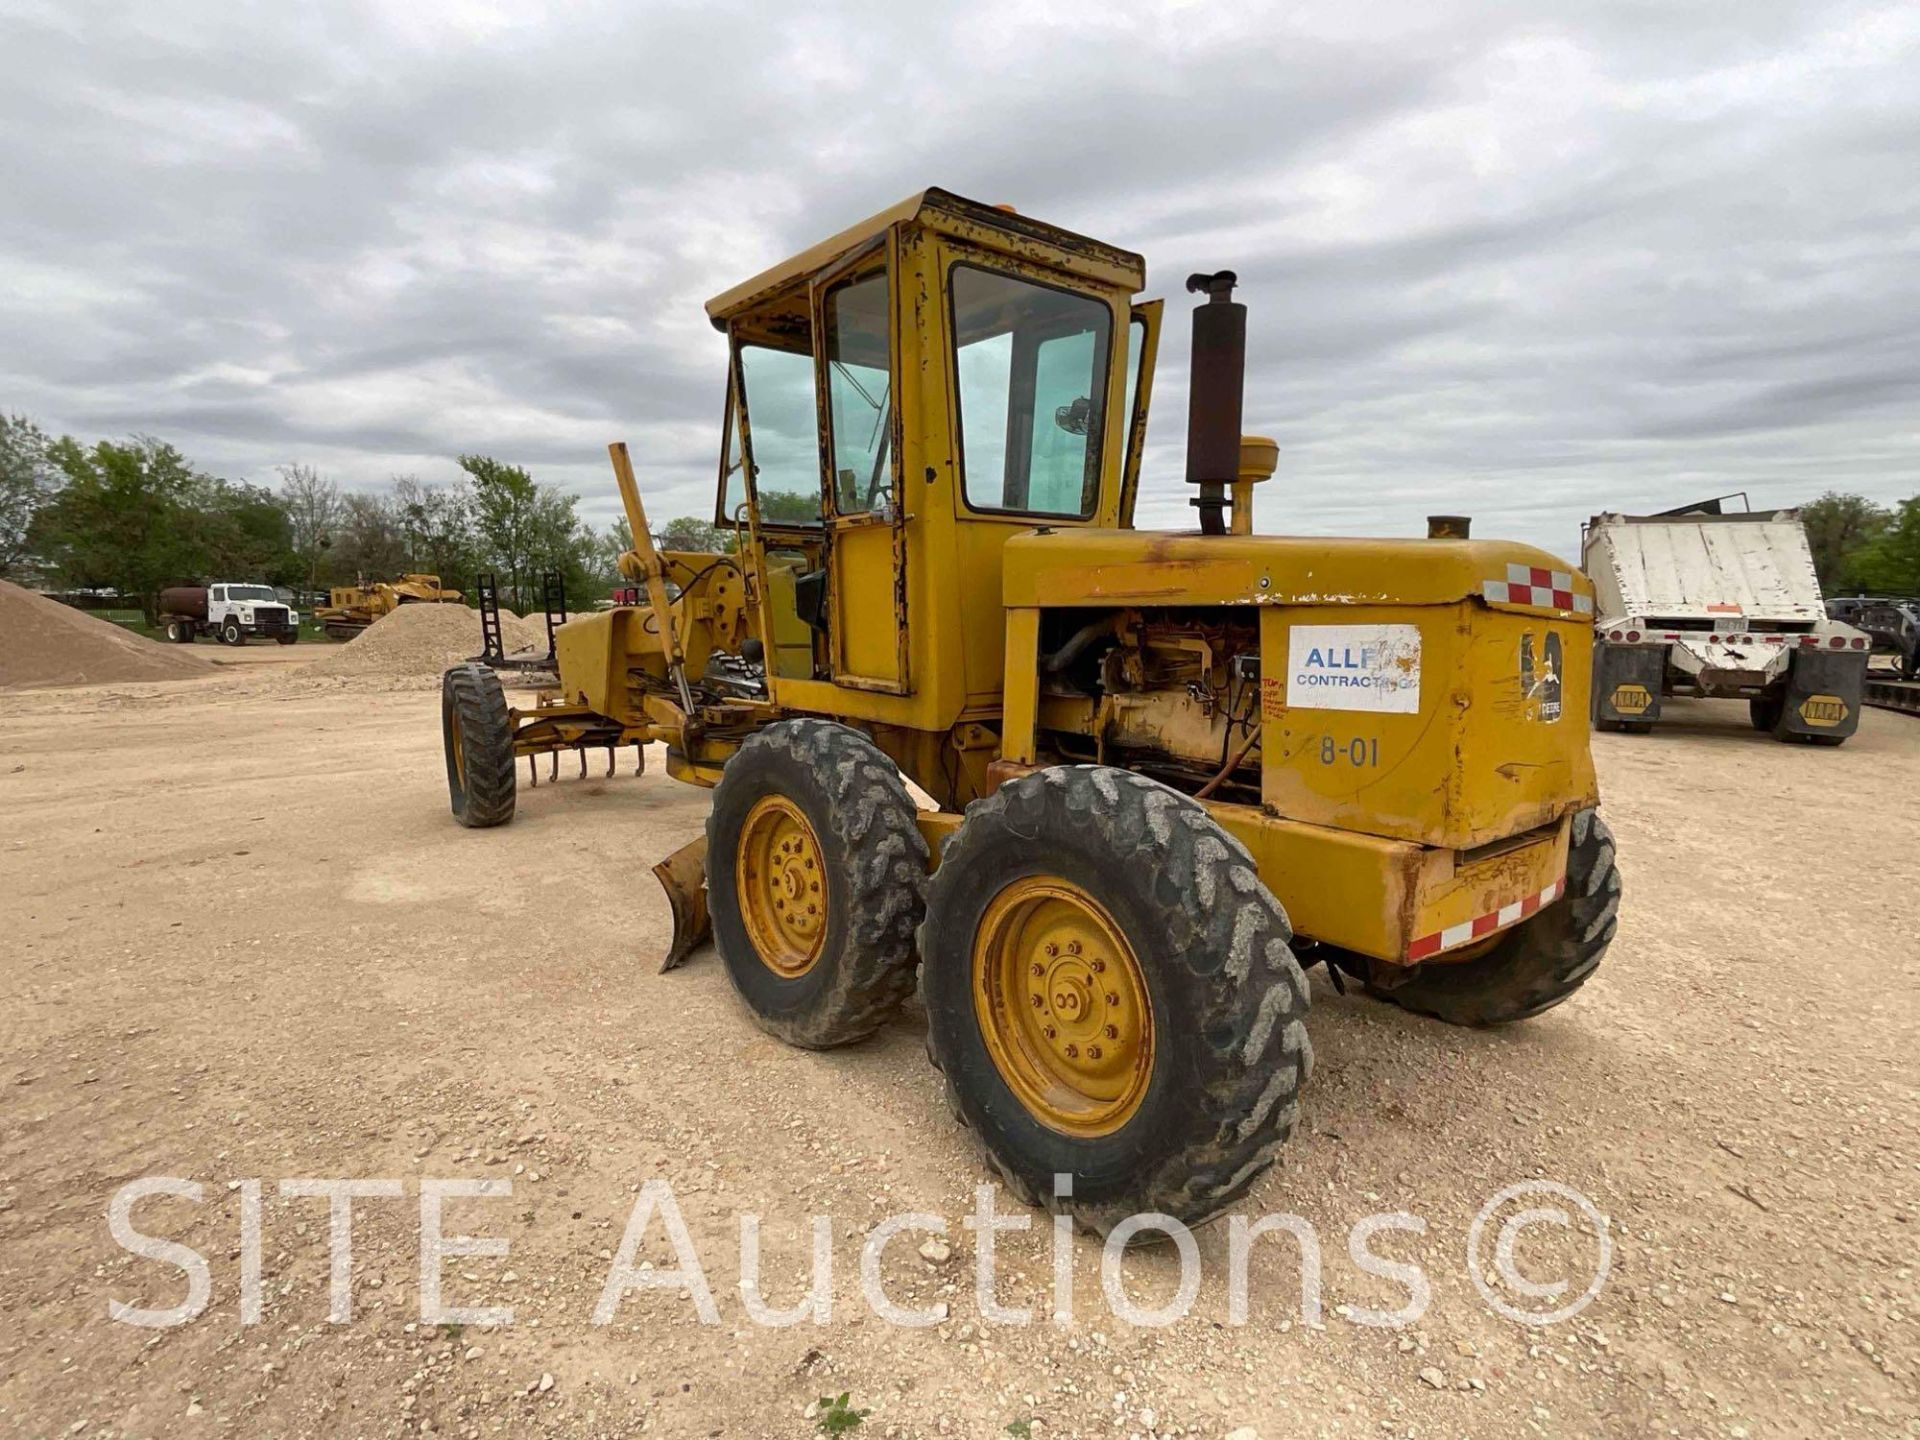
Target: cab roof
{"x":993,"y":226}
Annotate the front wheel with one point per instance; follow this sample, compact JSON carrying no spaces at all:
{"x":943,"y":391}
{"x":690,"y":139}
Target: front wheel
{"x":289,"y":637}
{"x":817,"y":869}
{"x":232,"y":634}
{"x":476,"y":734}
{"x":1111,"y":997}
{"x":1530,"y":968}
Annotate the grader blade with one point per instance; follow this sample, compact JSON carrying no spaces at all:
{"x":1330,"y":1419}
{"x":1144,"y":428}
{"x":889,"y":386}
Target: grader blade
{"x":683,"y":875}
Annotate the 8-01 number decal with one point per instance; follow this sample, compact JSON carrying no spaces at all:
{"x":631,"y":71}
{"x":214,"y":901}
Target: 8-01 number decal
{"x":1359,"y":752}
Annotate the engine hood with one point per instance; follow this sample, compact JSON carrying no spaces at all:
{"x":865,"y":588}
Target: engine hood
{"x":1071,"y":567}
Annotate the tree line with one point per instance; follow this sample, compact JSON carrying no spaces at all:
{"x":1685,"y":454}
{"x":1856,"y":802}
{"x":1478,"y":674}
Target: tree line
{"x":1861,"y":548}
{"x":134,"y":516}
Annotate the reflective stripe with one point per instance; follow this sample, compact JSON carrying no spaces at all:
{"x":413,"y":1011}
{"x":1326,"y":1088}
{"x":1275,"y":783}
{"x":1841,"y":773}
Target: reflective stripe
{"x":1481,"y":926}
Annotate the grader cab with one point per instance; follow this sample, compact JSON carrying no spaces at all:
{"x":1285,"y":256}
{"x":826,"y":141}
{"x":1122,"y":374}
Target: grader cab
{"x":1156,"y":772}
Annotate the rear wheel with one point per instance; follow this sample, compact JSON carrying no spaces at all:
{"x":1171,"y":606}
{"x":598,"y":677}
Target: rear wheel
{"x":1763,"y":711}
{"x":476,"y":732}
{"x":1111,"y":996}
{"x":1530,"y":968}
{"x":817,"y":875}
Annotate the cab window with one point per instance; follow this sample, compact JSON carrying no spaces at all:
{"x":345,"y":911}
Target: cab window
{"x":784,"y":435}
{"x":859,"y":393}
{"x":1030,"y":364}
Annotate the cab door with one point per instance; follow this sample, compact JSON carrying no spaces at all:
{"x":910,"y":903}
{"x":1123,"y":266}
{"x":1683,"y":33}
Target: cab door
{"x":857,"y":372}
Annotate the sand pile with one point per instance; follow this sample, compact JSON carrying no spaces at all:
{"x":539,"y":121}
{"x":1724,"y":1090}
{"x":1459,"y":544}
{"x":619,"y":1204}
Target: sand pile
{"x":43,"y":642}
{"x":421,"y":641}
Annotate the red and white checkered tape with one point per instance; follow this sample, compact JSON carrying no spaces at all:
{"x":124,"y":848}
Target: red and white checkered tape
{"x":1534,"y":585}
{"x":1482,"y":926}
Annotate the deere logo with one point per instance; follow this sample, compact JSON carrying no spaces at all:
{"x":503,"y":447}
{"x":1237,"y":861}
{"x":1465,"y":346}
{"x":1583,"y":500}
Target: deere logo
{"x":1631,"y":699}
{"x":1823,"y":710}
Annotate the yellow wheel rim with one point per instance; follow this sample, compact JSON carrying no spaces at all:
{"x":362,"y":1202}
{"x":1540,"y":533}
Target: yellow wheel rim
{"x":458,"y":746}
{"x":782,"y":886}
{"x":1063,"y":1006}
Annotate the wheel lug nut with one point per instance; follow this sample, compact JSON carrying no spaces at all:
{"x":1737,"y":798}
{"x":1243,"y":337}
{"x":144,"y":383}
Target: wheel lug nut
{"x":1049,"y":1032}
{"x":1050,"y":949}
{"x":1099,"y":967}
{"x":1112,"y":999}
{"x":1073,"y":947}
{"x":1093,"y":1052}
{"x":1073,"y":1052}
{"x":1038,"y":1003}
{"x":1037,"y":968}
{"x":1112,"y":1032}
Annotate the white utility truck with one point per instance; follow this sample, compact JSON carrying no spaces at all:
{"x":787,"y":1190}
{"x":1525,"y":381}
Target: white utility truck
{"x":232,"y":614}
{"x":1721,"y":605}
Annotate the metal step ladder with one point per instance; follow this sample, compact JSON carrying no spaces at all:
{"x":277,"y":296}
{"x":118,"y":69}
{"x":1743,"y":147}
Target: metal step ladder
{"x":492,"y":647}
{"x":553,"y":597}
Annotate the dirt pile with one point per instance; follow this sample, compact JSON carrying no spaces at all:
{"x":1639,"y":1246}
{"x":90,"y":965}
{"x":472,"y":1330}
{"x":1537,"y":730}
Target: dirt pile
{"x":420,"y":641}
{"x":43,"y":642}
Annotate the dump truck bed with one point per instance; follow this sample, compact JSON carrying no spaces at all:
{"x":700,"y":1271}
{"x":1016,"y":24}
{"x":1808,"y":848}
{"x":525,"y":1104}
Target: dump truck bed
{"x":1751,"y":566}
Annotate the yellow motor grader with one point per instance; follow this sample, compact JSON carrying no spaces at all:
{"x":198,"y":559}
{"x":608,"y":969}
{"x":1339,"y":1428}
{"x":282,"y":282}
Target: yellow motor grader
{"x":1100,"y":791}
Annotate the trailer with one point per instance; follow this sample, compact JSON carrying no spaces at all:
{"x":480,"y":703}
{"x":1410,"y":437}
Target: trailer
{"x":1718,"y":605}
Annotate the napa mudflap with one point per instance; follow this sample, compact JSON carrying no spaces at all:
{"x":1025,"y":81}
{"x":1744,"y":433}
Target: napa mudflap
{"x":1824,"y":692}
{"x":683,"y":875}
{"x":1627,"y":681}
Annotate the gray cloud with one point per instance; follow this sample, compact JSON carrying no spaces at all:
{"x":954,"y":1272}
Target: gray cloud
{"x":1526,"y":262}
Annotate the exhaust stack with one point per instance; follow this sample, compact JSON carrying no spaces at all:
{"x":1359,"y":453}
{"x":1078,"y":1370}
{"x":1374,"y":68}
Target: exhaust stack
{"x":1216,"y":380}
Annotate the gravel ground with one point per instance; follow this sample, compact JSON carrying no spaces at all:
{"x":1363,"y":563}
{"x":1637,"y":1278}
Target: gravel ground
{"x":244,"y":940}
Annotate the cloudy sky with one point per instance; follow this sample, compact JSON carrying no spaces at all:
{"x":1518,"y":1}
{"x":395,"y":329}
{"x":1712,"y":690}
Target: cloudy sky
{"x":1520,"y":260}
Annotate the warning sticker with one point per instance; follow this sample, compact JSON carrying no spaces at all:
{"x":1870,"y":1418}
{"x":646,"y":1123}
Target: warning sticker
{"x":1354,"y":667}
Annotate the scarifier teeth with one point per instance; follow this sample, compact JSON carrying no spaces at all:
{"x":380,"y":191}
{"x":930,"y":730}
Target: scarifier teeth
{"x":611,"y":752}
{"x":533,"y":770}
{"x":583,"y":764}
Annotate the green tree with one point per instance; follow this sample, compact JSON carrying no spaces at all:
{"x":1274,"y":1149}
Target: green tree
{"x":522,"y":529}
{"x":1890,"y":563}
{"x":436,"y":526}
{"x":123,"y":518}
{"x":368,"y":543}
{"x":28,"y":478}
{"x":1838,"y":527}
{"x":686,"y":533}
{"x":789,"y":506}
{"x":312,"y":503}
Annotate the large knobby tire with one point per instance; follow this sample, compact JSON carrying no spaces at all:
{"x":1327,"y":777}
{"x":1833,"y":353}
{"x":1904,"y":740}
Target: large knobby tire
{"x":476,"y":733}
{"x":836,"y":960}
{"x":1537,"y":964}
{"x":1227,"y":1051}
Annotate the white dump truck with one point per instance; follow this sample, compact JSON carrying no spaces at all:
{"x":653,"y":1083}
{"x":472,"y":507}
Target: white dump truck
{"x":1723,"y":606}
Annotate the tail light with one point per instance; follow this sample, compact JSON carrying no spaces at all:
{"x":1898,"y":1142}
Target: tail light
{"x":1613,"y":635}
{"x":1859,"y":642}
{"x":1633,"y":637}
{"x":1838,"y":642}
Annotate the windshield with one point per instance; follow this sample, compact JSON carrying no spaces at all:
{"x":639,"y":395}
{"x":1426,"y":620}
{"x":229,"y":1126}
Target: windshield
{"x":250,"y":592}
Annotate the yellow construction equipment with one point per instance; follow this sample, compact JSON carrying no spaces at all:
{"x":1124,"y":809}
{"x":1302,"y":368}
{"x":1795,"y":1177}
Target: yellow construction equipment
{"x":1165,"y":769}
{"x":352,"y":608}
